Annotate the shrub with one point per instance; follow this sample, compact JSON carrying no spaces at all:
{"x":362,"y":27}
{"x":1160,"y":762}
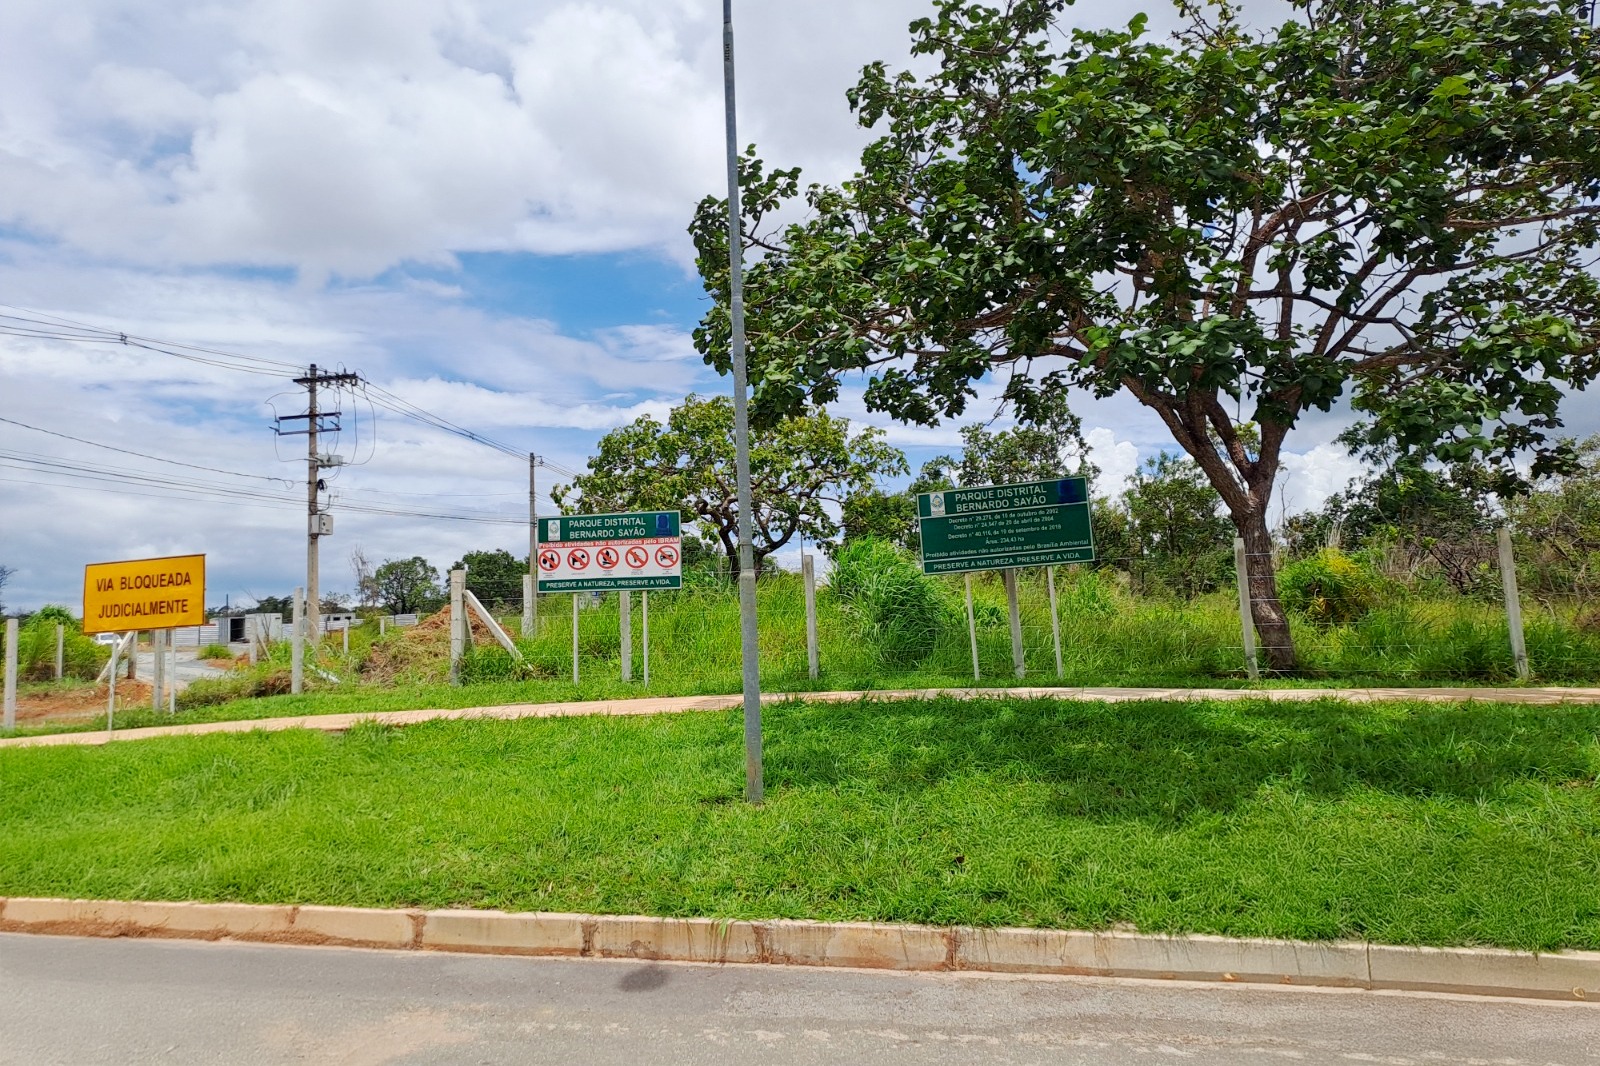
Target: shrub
{"x":215,"y":651}
{"x":1328,"y":588}
{"x":901,"y":611}
{"x":81,"y":657}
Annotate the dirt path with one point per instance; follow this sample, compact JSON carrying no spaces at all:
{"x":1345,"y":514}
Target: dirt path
{"x":338,"y":723}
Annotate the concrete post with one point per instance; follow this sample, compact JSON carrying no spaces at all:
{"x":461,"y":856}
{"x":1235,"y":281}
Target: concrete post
{"x":297,"y":644}
{"x":1247,"y":616}
{"x":972,"y":629}
{"x":625,"y":633}
{"x":527,"y":605}
{"x":133,"y":657}
{"x":1508,"y":582}
{"x":575,"y":597}
{"x":458,"y":622}
{"x":1015,"y":608}
{"x":61,"y":648}
{"x":10,"y":706}
{"x":1055,"y":620}
{"x":158,"y":667}
{"x":644,"y":620}
{"x":111,"y":689}
{"x":808,"y":573}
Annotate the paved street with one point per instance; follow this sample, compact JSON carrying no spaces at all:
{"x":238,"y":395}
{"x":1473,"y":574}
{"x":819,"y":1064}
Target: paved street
{"x":190,"y":667}
{"x":81,"y":1001}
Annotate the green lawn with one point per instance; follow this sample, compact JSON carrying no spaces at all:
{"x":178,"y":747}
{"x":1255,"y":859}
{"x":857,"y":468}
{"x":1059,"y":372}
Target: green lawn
{"x":1468,"y":824}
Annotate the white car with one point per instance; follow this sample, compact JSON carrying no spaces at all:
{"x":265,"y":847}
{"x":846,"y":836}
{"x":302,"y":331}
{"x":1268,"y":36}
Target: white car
{"x":107,"y":638}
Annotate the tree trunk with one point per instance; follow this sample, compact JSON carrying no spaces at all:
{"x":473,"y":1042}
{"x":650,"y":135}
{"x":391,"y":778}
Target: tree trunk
{"x":1272,"y":624}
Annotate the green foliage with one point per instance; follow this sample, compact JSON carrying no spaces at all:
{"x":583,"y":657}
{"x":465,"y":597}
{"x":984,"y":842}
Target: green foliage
{"x":408,"y":586}
{"x":1328,"y":588}
{"x":901,"y":611}
{"x":797,"y":465}
{"x":495,"y":577}
{"x":1557,"y":530}
{"x":1047,"y":442}
{"x":1177,"y":539}
{"x":872,"y":513}
{"x":214,"y":651}
{"x":1398,"y":208}
{"x":54,"y":612}
{"x":81,"y":657}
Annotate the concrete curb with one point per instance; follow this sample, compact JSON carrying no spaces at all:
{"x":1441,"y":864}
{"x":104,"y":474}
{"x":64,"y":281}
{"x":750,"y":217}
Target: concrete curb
{"x":1568,"y":975}
{"x":339,"y":723}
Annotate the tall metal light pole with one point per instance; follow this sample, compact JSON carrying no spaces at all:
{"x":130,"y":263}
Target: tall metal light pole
{"x":749,"y":646}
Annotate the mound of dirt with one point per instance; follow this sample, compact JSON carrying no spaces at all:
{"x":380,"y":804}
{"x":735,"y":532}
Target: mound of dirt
{"x":419,"y":653}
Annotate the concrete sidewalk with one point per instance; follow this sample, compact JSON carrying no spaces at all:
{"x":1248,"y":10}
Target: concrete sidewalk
{"x":338,"y":723}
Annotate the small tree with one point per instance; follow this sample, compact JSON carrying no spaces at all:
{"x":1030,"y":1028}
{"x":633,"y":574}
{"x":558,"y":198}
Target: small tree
{"x":1178,"y":536}
{"x":366,"y":587}
{"x":5,"y":575}
{"x":408,"y":586}
{"x":495,"y":577}
{"x":1047,"y":444}
{"x":797,"y":465}
{"x":1558,"y":527}
{"x":1395,"y":201}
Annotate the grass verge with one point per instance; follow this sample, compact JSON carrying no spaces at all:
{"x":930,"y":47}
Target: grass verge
{"x":1423,"y":824}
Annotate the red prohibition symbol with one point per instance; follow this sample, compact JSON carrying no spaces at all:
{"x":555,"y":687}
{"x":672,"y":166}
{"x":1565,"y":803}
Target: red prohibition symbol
{"x":578,"y":558}
{"x":637,"y":557}
{"x":549,"y":559}
{"x":667,"y":555}
{"x":606,"y":557}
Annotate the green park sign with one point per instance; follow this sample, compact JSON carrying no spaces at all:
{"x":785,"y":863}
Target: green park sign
{"x":611,"y":552}
{"x":995,"y":527}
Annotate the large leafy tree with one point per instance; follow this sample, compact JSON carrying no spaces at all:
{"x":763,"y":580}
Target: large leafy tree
{"x":1389,"y":202}
{"x":798,"y":466}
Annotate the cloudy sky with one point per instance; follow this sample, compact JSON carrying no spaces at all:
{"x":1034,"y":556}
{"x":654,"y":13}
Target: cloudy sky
{"x":479,"y":205}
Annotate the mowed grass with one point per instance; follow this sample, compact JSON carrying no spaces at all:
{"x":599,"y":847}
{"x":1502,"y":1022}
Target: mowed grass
{"x":1453,"y":824}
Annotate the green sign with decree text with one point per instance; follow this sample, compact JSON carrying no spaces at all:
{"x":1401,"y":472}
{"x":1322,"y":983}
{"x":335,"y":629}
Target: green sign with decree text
{"x":995,"y":527}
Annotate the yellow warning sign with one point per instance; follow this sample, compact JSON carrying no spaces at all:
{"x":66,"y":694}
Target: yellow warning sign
{"x":144,"y":594}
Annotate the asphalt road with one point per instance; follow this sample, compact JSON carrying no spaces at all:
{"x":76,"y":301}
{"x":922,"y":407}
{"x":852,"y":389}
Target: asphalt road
{"x":81,"y":1001}
{"x":190,"y":667}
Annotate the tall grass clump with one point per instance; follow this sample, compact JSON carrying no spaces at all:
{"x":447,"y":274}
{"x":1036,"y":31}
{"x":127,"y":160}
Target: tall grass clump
{"x":81,"y":657}
{"x":899,"y":610}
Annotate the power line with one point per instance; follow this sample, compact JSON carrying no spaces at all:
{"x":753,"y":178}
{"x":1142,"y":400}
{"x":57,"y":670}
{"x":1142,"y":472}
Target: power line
{"x":143,"y":455}
{"x":53,"y":327}
{"x":117,"y":480}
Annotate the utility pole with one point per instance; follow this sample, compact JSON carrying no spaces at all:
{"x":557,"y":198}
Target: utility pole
{"x":318,"y":523}
{"x":749,"y":644}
